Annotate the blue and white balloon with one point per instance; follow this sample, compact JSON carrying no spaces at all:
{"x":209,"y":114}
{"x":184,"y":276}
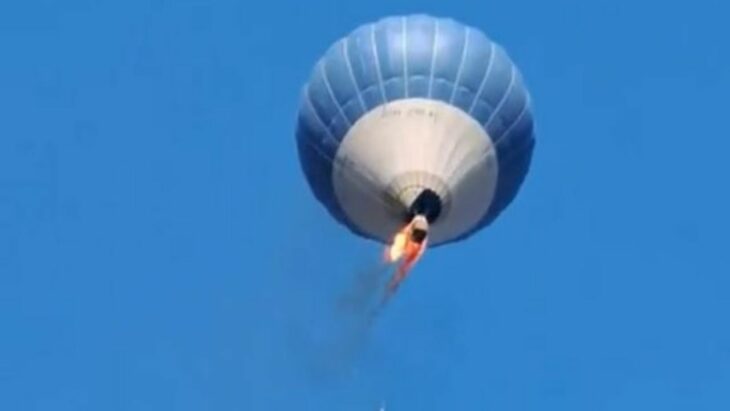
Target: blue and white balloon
{"x":415,"y":114}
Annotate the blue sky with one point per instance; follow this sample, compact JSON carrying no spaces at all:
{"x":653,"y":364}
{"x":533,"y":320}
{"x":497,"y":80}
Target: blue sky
{"x":159,"y":247}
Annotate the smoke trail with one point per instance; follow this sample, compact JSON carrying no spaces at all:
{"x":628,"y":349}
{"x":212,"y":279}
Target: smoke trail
{"x":368,"y":285}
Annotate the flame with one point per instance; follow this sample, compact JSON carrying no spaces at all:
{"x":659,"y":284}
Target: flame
{"x":398,"y":248}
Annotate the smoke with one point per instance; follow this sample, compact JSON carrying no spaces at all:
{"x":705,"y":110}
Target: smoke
{"x":338,"y":334}
{"x":315,"y":320}
{"x":368,"y":282}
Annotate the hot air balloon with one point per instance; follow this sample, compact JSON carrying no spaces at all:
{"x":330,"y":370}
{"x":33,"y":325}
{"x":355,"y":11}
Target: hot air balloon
{"x":415,"y":116}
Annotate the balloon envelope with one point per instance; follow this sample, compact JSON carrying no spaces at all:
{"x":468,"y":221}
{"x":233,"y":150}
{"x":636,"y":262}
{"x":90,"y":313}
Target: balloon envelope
{"x":415,"y":114}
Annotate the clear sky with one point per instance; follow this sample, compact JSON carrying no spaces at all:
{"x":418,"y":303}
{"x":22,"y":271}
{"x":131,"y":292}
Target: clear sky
{"x":160,"y":250}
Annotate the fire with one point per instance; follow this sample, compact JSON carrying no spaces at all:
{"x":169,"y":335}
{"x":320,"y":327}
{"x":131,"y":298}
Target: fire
{"x":408,"y":245}
{"x":398,"y":248}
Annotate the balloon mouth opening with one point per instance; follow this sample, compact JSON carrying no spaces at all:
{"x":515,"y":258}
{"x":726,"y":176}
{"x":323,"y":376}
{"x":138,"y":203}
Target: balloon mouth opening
{"x":428,"y":204}
{"x":419,"y":193}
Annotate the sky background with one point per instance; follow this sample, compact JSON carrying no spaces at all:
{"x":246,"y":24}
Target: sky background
{"x":160,"y":249}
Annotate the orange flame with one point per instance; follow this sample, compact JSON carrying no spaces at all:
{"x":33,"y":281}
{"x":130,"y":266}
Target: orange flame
{"x":398,"y":248}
